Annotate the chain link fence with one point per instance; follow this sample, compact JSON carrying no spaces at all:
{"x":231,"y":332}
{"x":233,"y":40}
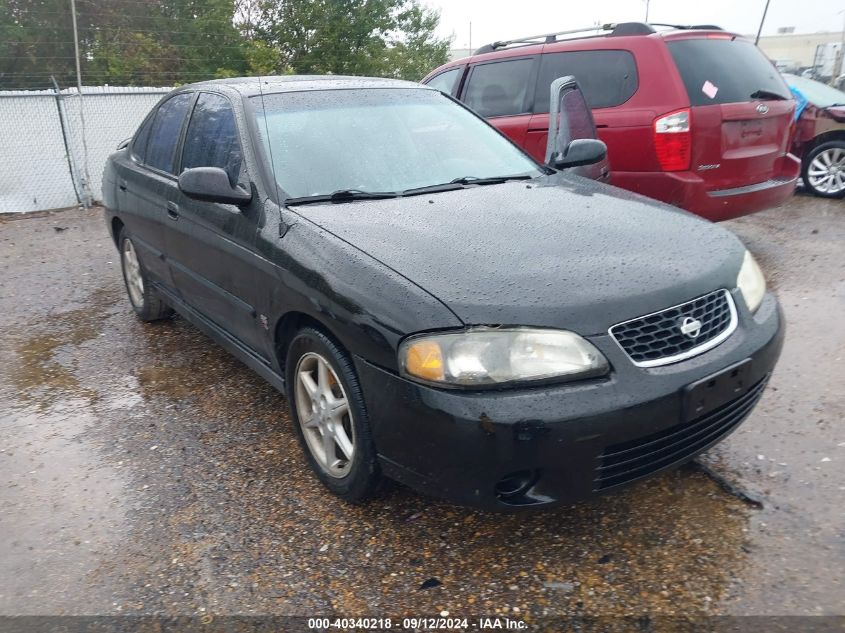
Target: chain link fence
{"x":50,"y":158}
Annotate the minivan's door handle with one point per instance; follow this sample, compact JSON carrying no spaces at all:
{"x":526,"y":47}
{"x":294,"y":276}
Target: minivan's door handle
{"x":122,"y":185}
{"x":172,"y":210}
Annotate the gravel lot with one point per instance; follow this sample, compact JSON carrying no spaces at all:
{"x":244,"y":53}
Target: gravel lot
{"x":143,"y":470}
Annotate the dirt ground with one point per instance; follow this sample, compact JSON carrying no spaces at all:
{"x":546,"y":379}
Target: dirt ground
{"x":143,"y":470}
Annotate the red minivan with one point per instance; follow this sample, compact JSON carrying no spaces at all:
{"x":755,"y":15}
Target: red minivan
{"x":696,"y":117}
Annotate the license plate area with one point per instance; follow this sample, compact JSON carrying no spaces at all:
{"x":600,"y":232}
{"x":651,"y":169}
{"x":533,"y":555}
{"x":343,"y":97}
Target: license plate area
{"x":705,"y":395}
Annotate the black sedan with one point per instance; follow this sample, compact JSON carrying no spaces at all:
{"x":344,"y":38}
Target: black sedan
{"x":439,"y":308}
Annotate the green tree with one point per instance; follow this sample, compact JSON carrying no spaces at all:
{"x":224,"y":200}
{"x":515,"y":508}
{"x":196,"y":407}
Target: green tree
{"x":36,"y":41}
{"x":417,"y":51}
{"x":130,"y":42}
{"x":393,"y":38}
{"x":177,"y":41}
{"x":166,"y":42}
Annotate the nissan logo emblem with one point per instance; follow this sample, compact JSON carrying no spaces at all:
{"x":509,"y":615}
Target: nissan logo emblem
{"x":762,"y":108}
{"x":690,"y":327}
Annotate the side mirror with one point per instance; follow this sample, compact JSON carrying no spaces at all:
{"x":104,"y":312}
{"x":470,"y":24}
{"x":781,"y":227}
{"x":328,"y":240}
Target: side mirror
{"x":581,"y":151}
{"x":211,"y":184}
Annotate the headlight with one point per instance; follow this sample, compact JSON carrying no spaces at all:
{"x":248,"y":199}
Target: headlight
{"x":488,"y":356}
{"x":751,"y":282}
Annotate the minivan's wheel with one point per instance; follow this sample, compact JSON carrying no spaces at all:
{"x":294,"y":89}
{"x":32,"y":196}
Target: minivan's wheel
{"x":144,"y":299}
{"x":327,"y":409}
{"x":824,"y":170}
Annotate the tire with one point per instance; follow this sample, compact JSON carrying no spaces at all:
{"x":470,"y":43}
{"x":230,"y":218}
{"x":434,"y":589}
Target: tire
{"x":145,"y":301}
{"x":353,"y":479}
{"x":828,"y":157}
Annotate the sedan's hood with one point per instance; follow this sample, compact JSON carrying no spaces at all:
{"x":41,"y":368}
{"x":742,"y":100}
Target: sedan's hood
{"x":574,"y":254}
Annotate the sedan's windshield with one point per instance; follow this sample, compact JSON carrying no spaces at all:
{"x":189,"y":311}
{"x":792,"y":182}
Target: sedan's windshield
{"x":379,"y":140}
{"x":817,"y":93}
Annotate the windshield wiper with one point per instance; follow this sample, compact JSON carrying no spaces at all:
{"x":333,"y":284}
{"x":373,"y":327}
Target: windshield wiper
{"x":460,"y":183}
{"x":446,"y":186}
{"x":349,"y":195}
{"x":495,"y":180}
{"x":767,"y":94}
{"x":342,"y":195}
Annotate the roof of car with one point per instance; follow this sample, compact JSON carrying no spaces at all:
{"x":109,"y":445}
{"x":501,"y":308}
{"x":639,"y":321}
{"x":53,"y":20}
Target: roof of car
{"x":250,"y":86}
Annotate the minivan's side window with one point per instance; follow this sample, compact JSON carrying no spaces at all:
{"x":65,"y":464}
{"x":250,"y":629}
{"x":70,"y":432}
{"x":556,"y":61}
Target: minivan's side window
{"x":608,"y":78}
{"x":139,"y":143}
{"x":212,"y":137}
{"x":445,"y":82}
{"x":164,"y":135}
{"x":500,"y":88}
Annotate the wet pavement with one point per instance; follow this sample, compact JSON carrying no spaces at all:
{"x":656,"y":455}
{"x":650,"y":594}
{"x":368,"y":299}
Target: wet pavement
{"x":143,"y":470}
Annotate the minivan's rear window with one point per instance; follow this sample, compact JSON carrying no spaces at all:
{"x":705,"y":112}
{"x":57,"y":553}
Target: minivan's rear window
{"x":726,"y":71}
{"x":608,"y":78}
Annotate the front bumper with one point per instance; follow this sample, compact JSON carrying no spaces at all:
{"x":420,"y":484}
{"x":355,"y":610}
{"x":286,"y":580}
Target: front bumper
{"x":689,"y":191}
{"x":540,"y":446}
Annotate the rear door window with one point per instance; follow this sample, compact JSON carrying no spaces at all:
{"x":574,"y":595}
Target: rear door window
{"x":165,"y":132}
{"x":501,"y":88}
{"x":718,"y":71}
{"x":607,"y":78}
{"x":445,"y":82}
{"x":212,"y":137}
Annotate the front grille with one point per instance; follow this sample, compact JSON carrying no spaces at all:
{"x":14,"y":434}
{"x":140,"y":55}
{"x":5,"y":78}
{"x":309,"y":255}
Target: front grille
{"x":627,"y":461}
{"x":657,"y":339}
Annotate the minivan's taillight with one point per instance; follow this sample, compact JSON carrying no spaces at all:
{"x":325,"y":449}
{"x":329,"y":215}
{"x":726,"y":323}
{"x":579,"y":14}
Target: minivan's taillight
{"x":672,"y":140}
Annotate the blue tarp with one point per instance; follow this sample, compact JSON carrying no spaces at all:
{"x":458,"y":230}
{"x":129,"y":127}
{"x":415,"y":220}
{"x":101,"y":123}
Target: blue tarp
{"x":800,"y":101}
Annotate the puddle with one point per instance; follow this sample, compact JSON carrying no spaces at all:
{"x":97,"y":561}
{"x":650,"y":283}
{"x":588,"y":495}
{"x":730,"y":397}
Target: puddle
{"x":61,"y":511}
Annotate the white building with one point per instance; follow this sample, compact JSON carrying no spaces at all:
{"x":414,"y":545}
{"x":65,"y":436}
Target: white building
{"x":799,"y":48}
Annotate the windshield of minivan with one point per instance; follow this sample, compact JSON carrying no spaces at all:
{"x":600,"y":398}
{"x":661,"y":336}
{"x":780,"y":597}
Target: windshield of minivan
{"x":379,"y":140}
{"x":817,"y":93}
{"x":726,"y":71}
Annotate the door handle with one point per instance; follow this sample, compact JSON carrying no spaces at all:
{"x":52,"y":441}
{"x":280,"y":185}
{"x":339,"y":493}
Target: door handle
{"x":172,"y":210}
{"x":122,"y":185}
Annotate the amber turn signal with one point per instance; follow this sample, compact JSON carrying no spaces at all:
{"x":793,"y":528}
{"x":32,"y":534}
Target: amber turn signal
{"x":424,"y":360}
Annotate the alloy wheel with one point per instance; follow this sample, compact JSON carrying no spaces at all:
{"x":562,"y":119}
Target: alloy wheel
{"x":132,"y":273}
{"x":324,"y":415}
{"x":826,"y":173}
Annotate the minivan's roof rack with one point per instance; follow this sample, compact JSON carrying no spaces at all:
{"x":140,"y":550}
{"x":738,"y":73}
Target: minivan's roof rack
{"x":689,"y":27}
{"x":615,"y":29}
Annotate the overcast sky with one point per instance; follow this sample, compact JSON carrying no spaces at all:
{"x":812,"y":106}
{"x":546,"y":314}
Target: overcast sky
{"x":504,"y":19}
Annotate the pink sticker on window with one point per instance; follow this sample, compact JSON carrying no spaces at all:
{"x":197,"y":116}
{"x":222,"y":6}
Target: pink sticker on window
{"x":709,"y":89}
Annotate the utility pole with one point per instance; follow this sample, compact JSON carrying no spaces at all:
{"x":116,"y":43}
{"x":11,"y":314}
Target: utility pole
{"x":86,"y":189}
{"x":763,"y":19}
{"x":646,"y":10}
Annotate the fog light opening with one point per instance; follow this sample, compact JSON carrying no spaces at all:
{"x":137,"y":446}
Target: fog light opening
{"x":513,"y":486}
